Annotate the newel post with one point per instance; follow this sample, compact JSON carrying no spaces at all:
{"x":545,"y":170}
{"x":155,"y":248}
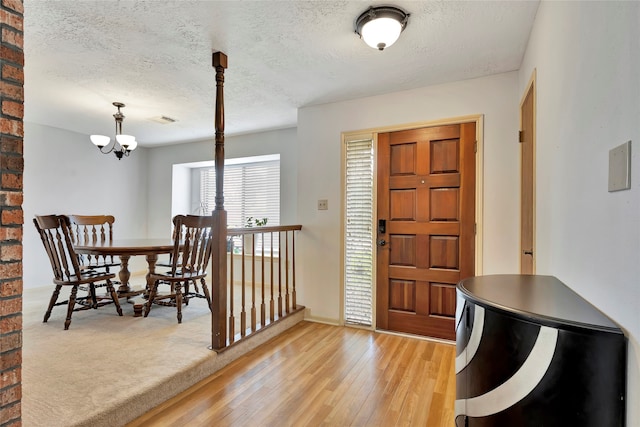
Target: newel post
{"x":219,"y":250}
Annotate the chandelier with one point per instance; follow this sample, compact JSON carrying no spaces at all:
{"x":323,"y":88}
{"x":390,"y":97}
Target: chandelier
{"x":122,"y":145}
{"x":381,"y":26}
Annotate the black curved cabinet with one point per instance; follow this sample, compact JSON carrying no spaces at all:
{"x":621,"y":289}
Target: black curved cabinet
{"x":531,"y":352}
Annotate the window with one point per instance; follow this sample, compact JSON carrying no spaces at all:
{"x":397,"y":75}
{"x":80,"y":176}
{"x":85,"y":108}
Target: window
{"x":358,"y":232}
{"x":251,"y":190}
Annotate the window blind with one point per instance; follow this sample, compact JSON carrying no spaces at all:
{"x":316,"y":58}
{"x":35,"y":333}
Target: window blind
{"x":251,"y":190}
{"x":359,"y":232}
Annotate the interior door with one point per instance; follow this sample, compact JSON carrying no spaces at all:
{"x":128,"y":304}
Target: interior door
{"x":527,"y":191}
{"x":426,"y":227}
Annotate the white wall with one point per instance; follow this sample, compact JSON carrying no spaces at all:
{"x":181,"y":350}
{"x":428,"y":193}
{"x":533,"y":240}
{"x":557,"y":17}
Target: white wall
{"x":319,"y":177}
{"x":162,"y":159}
{"x":587,"y":57}
{"x":65,"y":174}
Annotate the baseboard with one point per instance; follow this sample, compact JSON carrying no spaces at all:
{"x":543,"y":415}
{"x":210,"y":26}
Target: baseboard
{"x":316,"y":319}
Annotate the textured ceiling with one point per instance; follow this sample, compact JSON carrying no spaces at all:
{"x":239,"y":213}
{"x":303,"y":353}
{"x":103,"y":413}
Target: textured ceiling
{"x":155,"y":56}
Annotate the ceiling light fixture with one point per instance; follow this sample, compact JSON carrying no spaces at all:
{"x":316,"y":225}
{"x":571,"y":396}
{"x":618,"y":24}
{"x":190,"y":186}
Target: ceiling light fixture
{"x":381,"y":26}
{"x":122,"y":144}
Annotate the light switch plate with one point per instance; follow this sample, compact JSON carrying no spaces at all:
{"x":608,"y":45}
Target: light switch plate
{"x":620,"y":167}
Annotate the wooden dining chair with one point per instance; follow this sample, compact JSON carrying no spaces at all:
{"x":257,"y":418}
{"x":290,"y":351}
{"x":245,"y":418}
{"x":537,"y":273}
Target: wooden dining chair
{"x":189,"y":261}
{"x":55,"y":233}
{"x":175,"y":230}
{"x":91,"y":230}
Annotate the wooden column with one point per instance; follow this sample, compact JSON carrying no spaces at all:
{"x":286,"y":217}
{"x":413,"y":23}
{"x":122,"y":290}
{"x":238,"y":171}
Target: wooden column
{"x":219,"y":251}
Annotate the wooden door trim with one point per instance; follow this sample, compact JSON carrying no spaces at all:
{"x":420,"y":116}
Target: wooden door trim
{"x":531,"y":86}
{"x":415,"y":125}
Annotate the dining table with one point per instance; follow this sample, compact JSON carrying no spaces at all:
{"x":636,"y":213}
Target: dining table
{"x":125,"y":249}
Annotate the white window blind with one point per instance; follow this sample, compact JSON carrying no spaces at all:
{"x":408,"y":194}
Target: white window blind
{"x":359,"y":232}
{"x":251,"y":190}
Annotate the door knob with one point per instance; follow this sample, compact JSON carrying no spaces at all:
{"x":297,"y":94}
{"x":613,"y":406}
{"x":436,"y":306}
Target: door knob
{"x":382,"y":242}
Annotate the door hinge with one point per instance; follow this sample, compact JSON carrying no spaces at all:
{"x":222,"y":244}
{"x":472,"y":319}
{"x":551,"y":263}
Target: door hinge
{"x":520,"y":136}
{"x":475,"y":147}
{"x":475,"y":228}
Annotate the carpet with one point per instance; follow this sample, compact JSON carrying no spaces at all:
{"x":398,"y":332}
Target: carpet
{"x":107,"y":370}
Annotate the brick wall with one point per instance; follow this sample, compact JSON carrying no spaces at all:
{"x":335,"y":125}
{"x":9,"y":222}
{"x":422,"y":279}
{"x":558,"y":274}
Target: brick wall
{"x":11,"y":216}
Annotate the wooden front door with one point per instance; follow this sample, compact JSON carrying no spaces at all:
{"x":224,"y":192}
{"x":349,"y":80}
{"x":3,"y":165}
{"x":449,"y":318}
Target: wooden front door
{"x":527,"y":191}
{"x":426,"y":227}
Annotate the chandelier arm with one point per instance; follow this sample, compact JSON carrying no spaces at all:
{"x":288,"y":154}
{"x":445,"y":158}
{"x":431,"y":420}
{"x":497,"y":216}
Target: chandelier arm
{"x":113,"y":146}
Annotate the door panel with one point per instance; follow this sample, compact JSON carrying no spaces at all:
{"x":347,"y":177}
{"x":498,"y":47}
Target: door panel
{"x":442,"y":299}
{"x":403,"y":205}
{"x":405,"y":250}
{"x":402,"y":295}
{"x":445,"y":204}
{"x":426,"y":192}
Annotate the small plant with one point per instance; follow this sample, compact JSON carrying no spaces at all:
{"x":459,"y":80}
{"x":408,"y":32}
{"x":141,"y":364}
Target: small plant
{"x":251,"y":221}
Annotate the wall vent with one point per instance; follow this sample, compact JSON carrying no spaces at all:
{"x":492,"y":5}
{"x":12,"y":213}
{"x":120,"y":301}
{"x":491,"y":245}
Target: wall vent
{"x":163,"y":120}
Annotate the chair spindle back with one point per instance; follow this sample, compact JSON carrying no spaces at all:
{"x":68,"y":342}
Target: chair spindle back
{"x":192,"y":244}
{"x":90,"y":230}
{"x":55,"y":234}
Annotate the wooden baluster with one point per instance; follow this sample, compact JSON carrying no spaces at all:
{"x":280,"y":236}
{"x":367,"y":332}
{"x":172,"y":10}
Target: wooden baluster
{"x":271,"y":300}
{"x":243,"y":313}
{"x":253,"y":282}
{"x":293,"y":271}
{"x":263,"y":314}
{"x":232,"y":319}
{"x":286,"y":273}
{"x":279,"y":275}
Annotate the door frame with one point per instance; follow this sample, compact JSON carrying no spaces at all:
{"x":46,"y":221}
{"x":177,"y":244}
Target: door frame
{"x":531,"y":86}
{"x":372,"y":133}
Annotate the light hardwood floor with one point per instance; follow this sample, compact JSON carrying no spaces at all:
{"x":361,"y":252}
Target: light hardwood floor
{"x":321,"y":375}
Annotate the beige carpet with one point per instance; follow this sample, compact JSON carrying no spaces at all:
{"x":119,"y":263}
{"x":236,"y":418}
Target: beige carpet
{"x":107,"y":370}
